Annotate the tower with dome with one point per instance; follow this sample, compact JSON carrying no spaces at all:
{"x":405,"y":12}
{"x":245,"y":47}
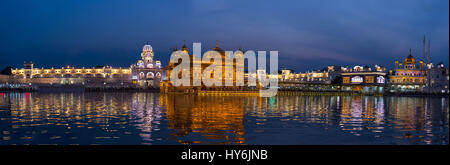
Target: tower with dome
{"x":147,"y":71}
{"x":408,"y":76}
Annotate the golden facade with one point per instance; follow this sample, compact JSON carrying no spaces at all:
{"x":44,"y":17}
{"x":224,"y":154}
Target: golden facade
{"x":407,"y":76}
{"x":167,"y":86}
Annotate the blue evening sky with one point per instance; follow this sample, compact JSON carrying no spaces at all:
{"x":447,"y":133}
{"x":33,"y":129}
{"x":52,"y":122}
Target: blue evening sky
{"x":308,"y":34}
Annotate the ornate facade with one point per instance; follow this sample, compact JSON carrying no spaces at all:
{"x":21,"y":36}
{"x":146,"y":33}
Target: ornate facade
{"x":147,"y":72}
{"x":407,"y":76}
{"x":313,"y":77}
{"x":364,"y":79}
{"x":364,"y":76}
{"x":167,"y":86}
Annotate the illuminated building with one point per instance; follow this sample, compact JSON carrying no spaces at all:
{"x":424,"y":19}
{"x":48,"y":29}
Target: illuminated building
{"x":332,"y":78}
{"x":407,"y":77}
{"x":146,"y":72}
{"x":319,"y":80}
{"x":314,"y":77}
{"x":95,"y":76}
{"x":188,"y":114}
{"x":364,"y":79}
{"x":4,"y":78}
{"x":167,"y":85}
{"x":437,"y":79}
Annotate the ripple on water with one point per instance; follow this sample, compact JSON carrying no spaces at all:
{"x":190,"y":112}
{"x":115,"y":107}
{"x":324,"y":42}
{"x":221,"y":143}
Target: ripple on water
{"x":151,"y":118}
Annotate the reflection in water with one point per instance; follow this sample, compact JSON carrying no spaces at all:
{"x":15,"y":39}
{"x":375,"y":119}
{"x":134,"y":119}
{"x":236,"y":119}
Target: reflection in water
{"x":217,"y":119}
{"x":151,"y":118}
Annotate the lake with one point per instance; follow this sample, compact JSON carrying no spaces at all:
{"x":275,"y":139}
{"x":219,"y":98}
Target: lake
{"x":128,"y":118}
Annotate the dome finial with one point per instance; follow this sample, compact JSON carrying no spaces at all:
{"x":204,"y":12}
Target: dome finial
{"x":184,"y":45}
{"x":217,"y":43}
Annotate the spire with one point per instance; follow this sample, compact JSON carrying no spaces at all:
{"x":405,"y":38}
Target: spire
{"x":429,"y":51}
{"x":184,"y":44}
{"x":184,"y":48}
{"x":217,"y":47}
{"x":423,"y":51}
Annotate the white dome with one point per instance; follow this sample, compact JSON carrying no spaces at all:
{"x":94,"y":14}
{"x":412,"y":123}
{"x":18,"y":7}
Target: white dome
{"x":147,"y":47}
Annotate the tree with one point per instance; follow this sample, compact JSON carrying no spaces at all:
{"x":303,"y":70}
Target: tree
{"x":6,"y":71}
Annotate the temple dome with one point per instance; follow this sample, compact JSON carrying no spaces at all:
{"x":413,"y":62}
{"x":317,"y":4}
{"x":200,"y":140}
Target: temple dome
{"x":410,"y":59}
{"x":147,"y":48}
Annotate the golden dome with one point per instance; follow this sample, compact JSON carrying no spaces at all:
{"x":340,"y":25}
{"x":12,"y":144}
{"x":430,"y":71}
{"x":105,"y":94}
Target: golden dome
{"x":147,"y":48}
{"x":410,"y":59}
{"x":184,"y":48}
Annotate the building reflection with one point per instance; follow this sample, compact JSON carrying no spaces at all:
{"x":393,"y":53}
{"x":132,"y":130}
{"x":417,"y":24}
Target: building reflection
{"x":147,"y":113}
{"x":361,"y":113}
{"x":218,"y":120}
{"x":111,"y":115}
{"x":153,"y":118}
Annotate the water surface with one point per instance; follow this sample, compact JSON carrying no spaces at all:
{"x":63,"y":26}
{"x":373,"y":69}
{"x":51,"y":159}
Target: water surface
{"x":153,"y":118}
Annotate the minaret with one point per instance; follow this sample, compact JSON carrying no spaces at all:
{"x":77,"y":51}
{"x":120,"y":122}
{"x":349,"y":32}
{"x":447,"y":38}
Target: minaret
{"x":429,"y":52}
{"x":217,"y":43}
{"x":424,"y":47}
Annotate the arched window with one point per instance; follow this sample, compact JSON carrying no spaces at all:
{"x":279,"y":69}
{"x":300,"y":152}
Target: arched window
{"x":357,"y":79}
{"x":158,"y":75}
{"x":140,"y":64}
{"x":380,"y":80}
{"x":150,"y":75}
{"x":141,"y":75}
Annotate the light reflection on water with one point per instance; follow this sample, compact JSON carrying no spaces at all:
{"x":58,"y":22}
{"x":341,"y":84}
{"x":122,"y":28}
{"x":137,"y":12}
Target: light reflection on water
{"x":151,"y":118}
